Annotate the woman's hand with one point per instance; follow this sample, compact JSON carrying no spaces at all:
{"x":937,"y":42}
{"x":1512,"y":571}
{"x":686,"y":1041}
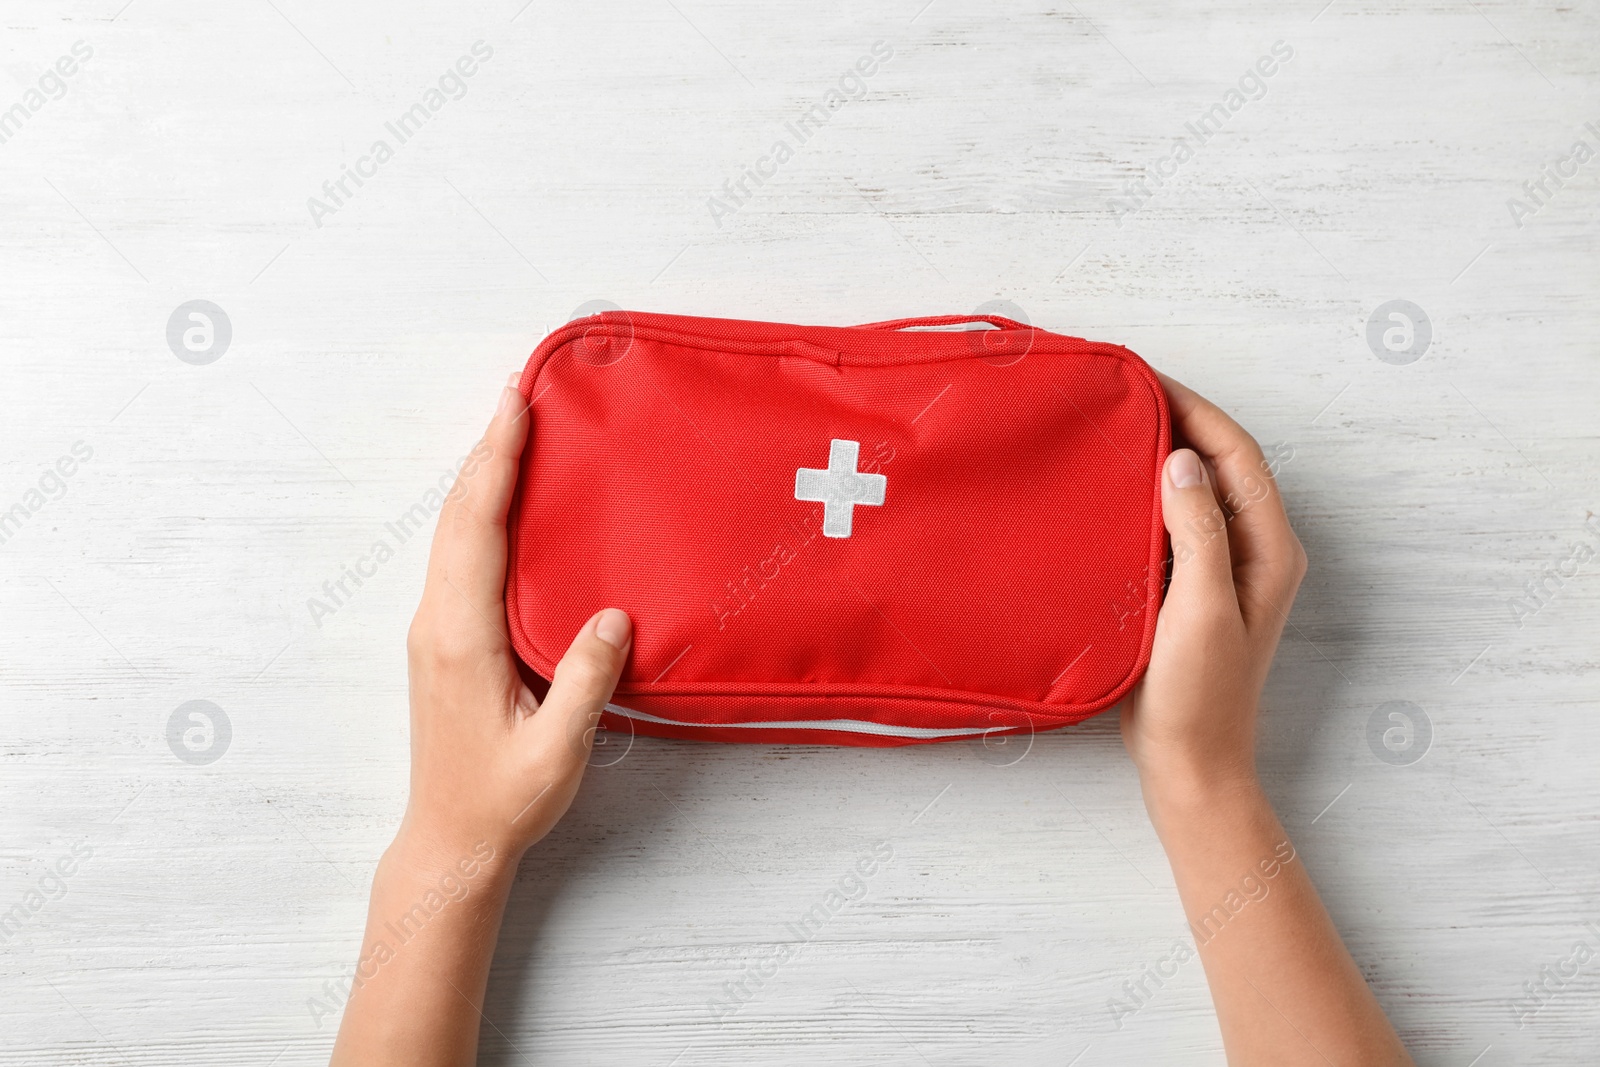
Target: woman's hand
{"x":492,"y":770}
{"x":488,"y":761}
{"x":1285,"y":987}
{"x":1235,"y":570}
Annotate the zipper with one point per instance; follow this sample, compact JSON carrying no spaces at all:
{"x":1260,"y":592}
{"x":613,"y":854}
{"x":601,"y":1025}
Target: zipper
{"x":848,"y":726}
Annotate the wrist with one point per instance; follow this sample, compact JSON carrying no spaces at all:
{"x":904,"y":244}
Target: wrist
{"x":1176,"y":792}
{"x":454,"y":860}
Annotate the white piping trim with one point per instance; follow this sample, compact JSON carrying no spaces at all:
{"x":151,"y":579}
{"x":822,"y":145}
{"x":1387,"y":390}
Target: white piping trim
{"x":848,"y":726}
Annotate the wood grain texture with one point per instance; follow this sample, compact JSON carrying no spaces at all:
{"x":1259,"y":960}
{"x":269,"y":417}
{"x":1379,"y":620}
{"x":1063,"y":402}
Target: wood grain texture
{"x":980,"y":163}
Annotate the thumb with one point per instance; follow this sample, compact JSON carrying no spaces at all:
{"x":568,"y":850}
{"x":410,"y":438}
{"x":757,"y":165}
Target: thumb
{"x":1201,"y":566}
{"x":584,"y":680}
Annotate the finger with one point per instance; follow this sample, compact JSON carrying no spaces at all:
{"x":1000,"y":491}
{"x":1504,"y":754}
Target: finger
{"x":469,"y":544}
{"x":584,"y":680}
{"x":1267,"y":553}
{"x":1202,"y":570}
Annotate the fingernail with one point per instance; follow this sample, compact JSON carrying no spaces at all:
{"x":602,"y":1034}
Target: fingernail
{"x":1183,"y":469}
{"x":515,"y":379}
{"x":613,"y":628}
{"x":507,"y":395}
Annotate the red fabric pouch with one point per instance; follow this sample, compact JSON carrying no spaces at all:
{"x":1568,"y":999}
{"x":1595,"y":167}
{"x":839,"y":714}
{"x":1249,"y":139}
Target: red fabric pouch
{"x":869,"y":535}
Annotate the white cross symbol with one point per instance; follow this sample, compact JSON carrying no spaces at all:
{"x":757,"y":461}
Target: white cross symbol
{"x":840,"y":488}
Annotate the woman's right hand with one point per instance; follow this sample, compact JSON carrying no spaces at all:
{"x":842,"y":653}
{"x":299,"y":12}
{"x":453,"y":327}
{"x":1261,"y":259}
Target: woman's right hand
{"x":1286,"y":989}
{"x":1236,"y":565}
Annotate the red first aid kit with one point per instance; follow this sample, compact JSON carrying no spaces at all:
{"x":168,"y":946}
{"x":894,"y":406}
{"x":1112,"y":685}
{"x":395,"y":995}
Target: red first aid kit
{"x":870,"y":535}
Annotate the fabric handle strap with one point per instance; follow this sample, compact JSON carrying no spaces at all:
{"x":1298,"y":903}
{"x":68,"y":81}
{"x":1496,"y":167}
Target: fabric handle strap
{"x":945,"y":320}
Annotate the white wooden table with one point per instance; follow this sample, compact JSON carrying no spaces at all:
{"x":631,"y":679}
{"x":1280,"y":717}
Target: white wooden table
{"x":992,"y":156}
